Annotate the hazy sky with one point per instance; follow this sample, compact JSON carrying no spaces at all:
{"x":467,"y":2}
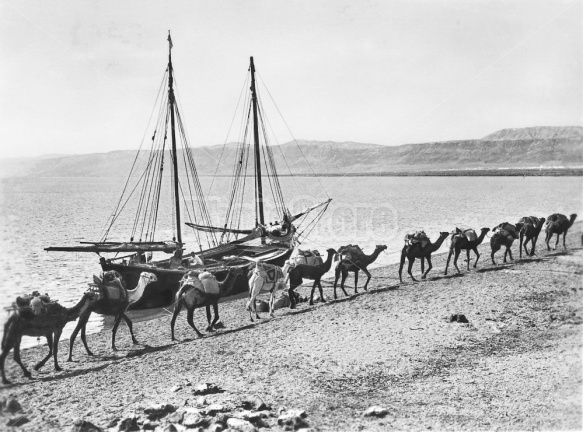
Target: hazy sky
{"x":82,"y":76}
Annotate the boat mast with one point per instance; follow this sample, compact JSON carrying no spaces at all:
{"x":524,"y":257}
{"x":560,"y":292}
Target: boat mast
{"x":259,"y":191}
{"x":173,"y":133}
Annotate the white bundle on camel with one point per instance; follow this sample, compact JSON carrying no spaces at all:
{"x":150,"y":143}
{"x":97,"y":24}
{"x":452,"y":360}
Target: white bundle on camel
{"x":209,"y":282}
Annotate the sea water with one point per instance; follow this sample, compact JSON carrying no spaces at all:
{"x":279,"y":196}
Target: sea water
{"x":39,"y":212}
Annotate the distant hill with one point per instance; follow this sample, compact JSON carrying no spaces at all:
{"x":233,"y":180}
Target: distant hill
{"x":507,"y":148}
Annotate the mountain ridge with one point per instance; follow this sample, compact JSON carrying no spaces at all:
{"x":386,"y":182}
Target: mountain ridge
{"x":506,"y":148}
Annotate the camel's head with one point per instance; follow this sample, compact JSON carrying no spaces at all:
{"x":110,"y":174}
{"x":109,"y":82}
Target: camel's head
{"x":573,"y":217}
{"x":148,"y":277}
{"x":444,"y":234}
{"x":380,"y":247}
{"x":486,"y":229}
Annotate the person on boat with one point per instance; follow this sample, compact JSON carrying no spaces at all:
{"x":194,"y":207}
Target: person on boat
{"x":176,"y":260}
{"x":138,"y":258}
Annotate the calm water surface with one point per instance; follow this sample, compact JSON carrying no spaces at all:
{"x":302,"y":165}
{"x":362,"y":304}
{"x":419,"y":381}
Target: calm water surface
{"x":37,"y":213}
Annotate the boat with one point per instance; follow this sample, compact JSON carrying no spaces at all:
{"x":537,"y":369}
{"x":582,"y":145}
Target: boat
{"x":228,"y":246}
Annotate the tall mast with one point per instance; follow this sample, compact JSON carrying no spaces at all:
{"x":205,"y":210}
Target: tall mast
{"x":175,"y":155}
{"x":259,"y":191}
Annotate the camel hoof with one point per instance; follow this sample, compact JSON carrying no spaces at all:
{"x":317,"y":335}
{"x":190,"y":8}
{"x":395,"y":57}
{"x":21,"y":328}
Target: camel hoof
{"x":59,"y":369}
{"x":135,"y":342}
{"x":69,"y":359}
{"x":6,"y":382}
{"x":423,"y":277}
{"x":311,"y":303}
{"x":323,"y":300}
{"x":114,"y":348}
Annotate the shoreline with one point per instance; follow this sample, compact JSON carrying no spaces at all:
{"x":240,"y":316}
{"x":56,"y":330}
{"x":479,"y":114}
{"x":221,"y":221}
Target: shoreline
{"x":515,"y":365}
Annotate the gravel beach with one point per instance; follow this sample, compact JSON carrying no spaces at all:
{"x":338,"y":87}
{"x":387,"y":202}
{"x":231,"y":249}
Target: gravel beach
{"x":515,"y":364}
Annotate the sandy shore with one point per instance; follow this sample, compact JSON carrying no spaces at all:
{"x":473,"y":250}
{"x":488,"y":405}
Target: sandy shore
{"x":516,"y":364}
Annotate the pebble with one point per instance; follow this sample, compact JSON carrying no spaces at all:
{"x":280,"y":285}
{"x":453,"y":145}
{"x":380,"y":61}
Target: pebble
{"x":375,"y":411}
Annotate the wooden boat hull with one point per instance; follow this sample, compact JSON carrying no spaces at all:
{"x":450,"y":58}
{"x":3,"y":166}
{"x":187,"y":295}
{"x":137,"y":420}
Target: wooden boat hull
{"x":161,"y":293}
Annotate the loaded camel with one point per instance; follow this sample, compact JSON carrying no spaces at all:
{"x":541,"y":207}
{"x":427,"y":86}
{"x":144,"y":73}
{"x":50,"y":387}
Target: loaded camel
{"x":354,"y":264}
{"x":418,"y":250}
{"x":299,"y":272}
{"x":201,"y":289}
{"x":558,"y":224}
{"x":504,"y":235}
{"x":49,"y":324}
{"x":459,"y":241}
{"x":264,"y":278}
{"x":114,"y":301}
{"x":530,"y":231}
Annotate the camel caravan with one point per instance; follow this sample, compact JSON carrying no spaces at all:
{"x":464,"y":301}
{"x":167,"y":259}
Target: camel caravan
{"x":37,"y":315}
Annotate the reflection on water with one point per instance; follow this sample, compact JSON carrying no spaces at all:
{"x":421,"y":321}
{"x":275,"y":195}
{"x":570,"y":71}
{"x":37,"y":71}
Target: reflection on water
{"x":36,"y":213}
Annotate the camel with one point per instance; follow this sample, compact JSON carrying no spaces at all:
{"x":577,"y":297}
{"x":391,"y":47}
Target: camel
{"x":461,"y":241}
{"x":417,"y":250}
{"x":504,"y":235}
{"x":114,"y":301}
{"x":299,"y":272}
{"x":354,"y":264}
{"x":531,"y":228}
{"x":49,"y":324}
{"x":558,"y":224}
{"x":194,"y":293}
{"x":265,"y":278}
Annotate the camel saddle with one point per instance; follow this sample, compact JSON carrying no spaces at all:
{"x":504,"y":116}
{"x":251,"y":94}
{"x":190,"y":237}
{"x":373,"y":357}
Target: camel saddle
{"x":110,"y":285}
{"x":35,"y":303}
{"x":209,"y":283}
{"x":416,"y":237}
{"x":529,"y":220}
{"x":351,"y":253}
{"x":307,"y":257}
{"x":468,"y":233}
{"x":270,"y":273}
{"x":507,"y":229}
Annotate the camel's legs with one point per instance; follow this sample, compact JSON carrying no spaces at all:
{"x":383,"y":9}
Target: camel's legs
{"x":114,"y":330}
{"x":6,"y":347}
{"x":564,"y":235}
{"x":129,"y":323}
{"x":84,"y":339}
{"x":448,"y":258}
{"x":455,"y":257}
{"x":495,"y":247}
{"x":208,"y":314}
{"x":312,"y":293}
{"x":322,"y":299}
{"x":368,"y":276}
{"x":190,"y":319}
{"x":50,"y":343}
{"x":429,"y":266}
{"x":336,"y":277}
{"x":57,"y":336}
{"x":468,"y":259}
{"x":477,"y":256}
{"x":509,"y":250}
{"x":344,"y":276}
{"x":80,"y":326}
{"x":17,"y":359}
{"x":533,"y":244}
{"x":292,"y":299}
{"x":255,"y":308}
{"x":422,"y":265}
{"x":401,"y":266}
{"x":557,"y":243}
{"x":177,"y":307}
{"x":356,"y":282}
{"x":411,"y":261}
{"x":271,"y":303}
